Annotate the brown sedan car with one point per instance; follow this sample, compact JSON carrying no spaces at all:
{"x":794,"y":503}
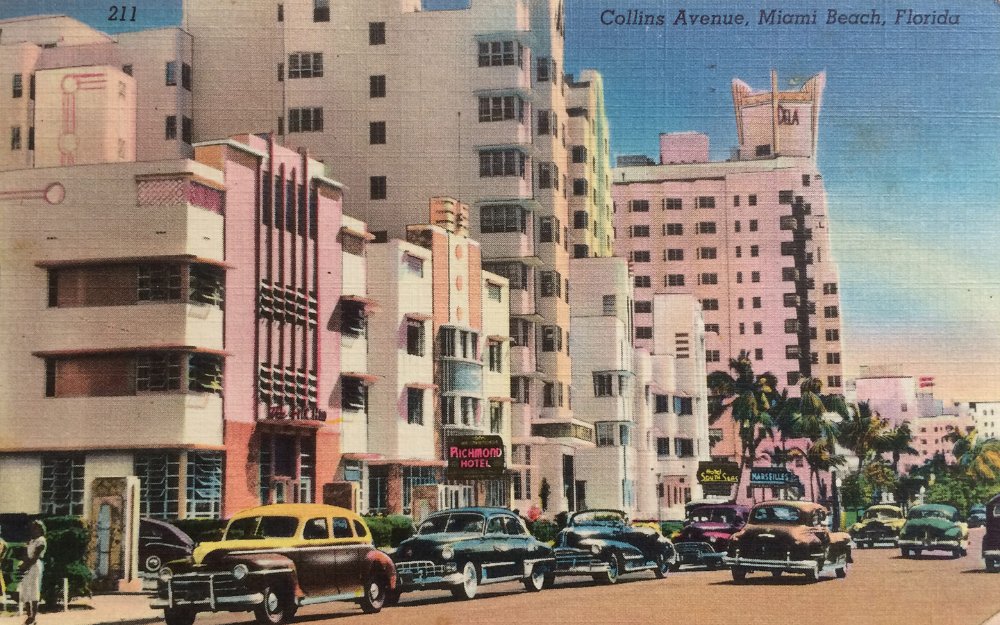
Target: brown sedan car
{"x":788,"y":536}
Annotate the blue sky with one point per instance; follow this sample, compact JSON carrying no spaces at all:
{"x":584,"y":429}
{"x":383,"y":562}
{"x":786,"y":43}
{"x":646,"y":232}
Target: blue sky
{"x":908,"y":150}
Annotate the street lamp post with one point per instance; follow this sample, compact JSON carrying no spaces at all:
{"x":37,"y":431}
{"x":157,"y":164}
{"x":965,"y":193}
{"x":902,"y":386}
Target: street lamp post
{"x":659,"y":500}
{"x":836,"y":483}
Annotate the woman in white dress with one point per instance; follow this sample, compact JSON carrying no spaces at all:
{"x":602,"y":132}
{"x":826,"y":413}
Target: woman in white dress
{"x":30,"y":588}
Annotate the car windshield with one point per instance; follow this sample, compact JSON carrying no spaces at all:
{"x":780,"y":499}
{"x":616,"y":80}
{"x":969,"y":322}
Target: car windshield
{"x":931,"y":513}
{"x":250,"y":528}
{"x":775,"y":514}
{"x":882,"y":514}
{"x":599,"y":517}
{"x":713,"y":515}
{"x":461,"y":523}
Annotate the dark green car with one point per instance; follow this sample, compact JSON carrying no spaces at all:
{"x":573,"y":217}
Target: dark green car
{"x":463,"y":548}
{"x":933,"y":527}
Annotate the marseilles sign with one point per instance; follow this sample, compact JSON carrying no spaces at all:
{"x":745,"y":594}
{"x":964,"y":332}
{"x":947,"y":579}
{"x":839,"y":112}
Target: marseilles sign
{"x":718,"y":473}
{"x":772,"y":476}
{"x":471,"y":457}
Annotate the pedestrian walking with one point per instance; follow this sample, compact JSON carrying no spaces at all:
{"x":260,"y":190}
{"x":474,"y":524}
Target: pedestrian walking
{"x":30,"y":588}
{"x":3,"y":585}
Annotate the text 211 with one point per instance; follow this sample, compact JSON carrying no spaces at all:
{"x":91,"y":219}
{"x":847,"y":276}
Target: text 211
{"x":121,"y":13}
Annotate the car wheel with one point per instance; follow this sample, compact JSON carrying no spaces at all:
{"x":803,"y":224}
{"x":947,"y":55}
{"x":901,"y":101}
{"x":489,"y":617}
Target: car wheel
{"x":610,"y":576}
{"x":992,"y":565}
{"x":178,"y":616}
{"x":392,"y":597}
{"x":536,"y":581}
{"x":550,"y":580}
{"x":276,"y":609}
{"x":906,"y":553}
{"x":841,"y":571}
{"x":812,"y":575}
{"x":662,"y":566}
{"x":374,"y":595}
{"x":739,"y":575}
{"x":917,"y":553}
{"x":776,"y":573}
{"x":470,"y":582}
{"x":153,"y":564}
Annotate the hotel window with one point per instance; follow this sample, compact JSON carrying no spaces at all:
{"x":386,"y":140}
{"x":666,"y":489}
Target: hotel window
{"x":415,"y":406}
{"x":281,"y":13}
{"x":754,"y":225}
{"x":605,"y":434}
{"x":494,"y":350}
{"x":643,"y":282}
{"x":752,"y":200}
{"x":549,"y":395}
{"x":520,"y":389}
{"x":603,"y":385}
{"x":378,"y":187}
{"x":712,"y":327}
{"x":763,"y":150}
{"x":736,"y":201}
{"x":500,"y":108}
{"x":707,"y":253}
{"x":708,"y":278}
{"x":736,"y":226}
{"x":157,"y":372}
{"x":712,"y":355}
{"x":62,"y":484}
{"x":640,"y":256}
{"x":833,"y":358}
{"x":580,"y":188}
{"x":580,"y":220}
{"x":415,"y":337}
{"x":806,"y":181}
{"x":204,"y":484}
{"x":758,"y":354}
{"x":579,"y":154}
{"x":17,"y":86}
{"x":739,"y":277}
{"x":738,"y":252}
{"x":309,"y":119}
{"x":675,"y":254}
{"x":644,"y":332}
{"x":548,"y":230}
{"x":791,"y":326}
{"x":790,"y":300}
{"x":494,"y":292}
{"x":754,"y":276}
{"x":662,"y":447}
{"x":674,"y":229}
{"x":500,"y":163}
{"x":376,"y":133}
{"x":705,"y":201}
{"x":158,"y":283}
{"x":496,"y":417}
{"x":321,"y":10}
{"x":542,"y":69}
{"x":305,"y":65}
{"x":643,"y":306}
{"x":705,"y":227}
{"x":785,"y":197}
{"x":15,"y":138}
{"x":548,"y":176}
{"x":609,"y":305}
{"x":758,"y":327}
{"x":503,"y":218}
{"x":376,"y":86}
{"x":756,"y":302}
{"x":710,"y":304}
{"x":754,"y":251}
{"x":546,"y":123}
{"x":739,"y":303}
{"x":830,"y":312}
{"x":833,"y":335}
{"x":829,"y":288}
{"x":158,"y":474}
{"x":789,"y":274}
{"x":353,"y":394}
{"x":171,"y":73}
{"x":833,"y":380}
{"x":675,"y":279}
{"x":638,"y":206}
{"x":498,"y":53}
{"x":353,"y":321}
{"x":672,"y":204}
{"x":683,"y":405}
{"x":186,"y":76}
{"x":551,"y":339}
{"x":550,"y":284}
{"x":187,"y":129}
{"x":376,"y":33}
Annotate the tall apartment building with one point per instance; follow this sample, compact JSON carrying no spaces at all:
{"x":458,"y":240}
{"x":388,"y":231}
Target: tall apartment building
{"x":747,"y":237}
{"x":75,"y":96}
{"x":183,"y":345}
{"x":590,"y":203}
{"x":984,"y":416}
{"x":403,"y":102}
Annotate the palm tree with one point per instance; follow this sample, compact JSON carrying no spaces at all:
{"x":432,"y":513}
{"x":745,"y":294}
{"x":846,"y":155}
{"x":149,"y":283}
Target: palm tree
{"x":752,"y":399}
{"x":897,"y":442}
{"x":979,"y":457}
{"x":863,"y":432}
{"x":821,"y":456}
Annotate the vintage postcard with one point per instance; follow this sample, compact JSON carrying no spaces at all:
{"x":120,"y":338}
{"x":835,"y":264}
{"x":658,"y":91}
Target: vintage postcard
{"x":437,"y":311}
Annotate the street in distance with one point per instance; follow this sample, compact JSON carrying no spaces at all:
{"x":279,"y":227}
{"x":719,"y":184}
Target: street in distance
{"x":778,"y":17}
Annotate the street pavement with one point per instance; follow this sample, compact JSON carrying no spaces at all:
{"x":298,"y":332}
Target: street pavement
{"x":881,"y":588}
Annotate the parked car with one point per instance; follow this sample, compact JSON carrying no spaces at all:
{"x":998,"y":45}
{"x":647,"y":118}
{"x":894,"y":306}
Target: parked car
{"x":274,"y":559}
{"x":603,"y":544}
{"x":161,"y":542}
{"x":706,"y":533}
{"x":788,"y":536}
{"x":991,"y":540}
{"x":933,"y":527}
{"x":462,"y":548}
{"x":977,"y":516}
{"x":879,"y":524}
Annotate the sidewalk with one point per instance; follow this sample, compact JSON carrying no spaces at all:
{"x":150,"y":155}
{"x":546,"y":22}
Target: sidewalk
{"x":100,"y":609}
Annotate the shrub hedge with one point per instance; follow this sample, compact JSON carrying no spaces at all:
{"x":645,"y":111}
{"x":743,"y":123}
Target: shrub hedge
{"x":389,"y":531}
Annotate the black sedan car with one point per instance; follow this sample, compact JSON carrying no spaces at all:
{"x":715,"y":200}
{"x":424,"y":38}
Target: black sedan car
{"x":461,"y":548}
{"x":977,"y":515}
{"x":603,"y":544}
{"x":161,"y":542}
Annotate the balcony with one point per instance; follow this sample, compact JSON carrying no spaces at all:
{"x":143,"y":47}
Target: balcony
{"x":114,"y":327}
{"x":503,"y":245}
{"x":571,"y":432}
{"x":522,"y":361}
{"x":461,"y":376}
{"x":498,"y":78}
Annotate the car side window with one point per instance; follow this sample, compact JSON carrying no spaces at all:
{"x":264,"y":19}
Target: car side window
{"x":315,"y":529}
{"x":514,"y":527}
{"x":359,"y":528}
{"x":495,"y":525}
{"x":342,"y":528}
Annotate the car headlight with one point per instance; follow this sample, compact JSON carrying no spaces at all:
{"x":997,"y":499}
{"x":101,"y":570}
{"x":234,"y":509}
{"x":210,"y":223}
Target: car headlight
{"x":448,"y":552}
{"x":240,"y":571}
{"x":595,"y":549}
{"x":712,"y":540}
{"x":166,"y":574}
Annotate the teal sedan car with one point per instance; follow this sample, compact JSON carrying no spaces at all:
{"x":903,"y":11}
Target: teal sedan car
{"x":933,"y":527}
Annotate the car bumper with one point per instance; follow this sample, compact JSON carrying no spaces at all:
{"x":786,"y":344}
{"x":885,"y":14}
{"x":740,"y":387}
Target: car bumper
{"x":991,"y":553}
{"x":696,"y":553}
{"x":771,"y":565}
{"x":875,"y":537}
{"x":931,"y":544}
{"x":578,"y":562}
{"x":214,"y":600}
{"x":426,"y":575}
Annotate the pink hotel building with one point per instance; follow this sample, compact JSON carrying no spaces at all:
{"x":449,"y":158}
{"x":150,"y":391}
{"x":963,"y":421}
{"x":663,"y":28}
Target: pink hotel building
{"x":749,"y":237}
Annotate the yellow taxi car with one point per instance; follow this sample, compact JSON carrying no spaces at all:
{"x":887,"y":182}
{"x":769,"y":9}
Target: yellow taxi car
{"x":272,"y":560}
{"x":879,"y":524}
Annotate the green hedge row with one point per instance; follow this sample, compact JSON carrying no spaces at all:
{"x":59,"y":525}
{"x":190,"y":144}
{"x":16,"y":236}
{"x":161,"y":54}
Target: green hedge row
{"x":389,"y":531}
